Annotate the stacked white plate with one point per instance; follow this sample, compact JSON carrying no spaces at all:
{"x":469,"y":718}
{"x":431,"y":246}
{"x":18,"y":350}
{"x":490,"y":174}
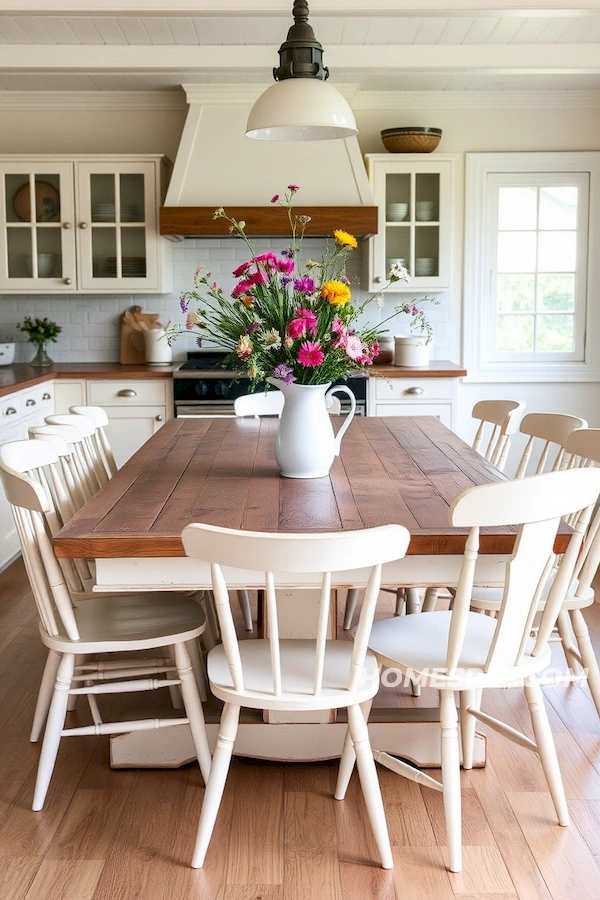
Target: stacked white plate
{"x":424,"y":265}
{"x":425,"y":210}
{"x":396,"y":212}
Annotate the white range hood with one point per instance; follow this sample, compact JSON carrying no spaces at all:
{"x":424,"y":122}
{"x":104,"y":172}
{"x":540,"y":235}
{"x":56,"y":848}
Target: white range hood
{"x":217,"y":165}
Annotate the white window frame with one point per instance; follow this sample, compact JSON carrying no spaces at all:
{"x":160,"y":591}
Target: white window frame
{"x":481,"y":228}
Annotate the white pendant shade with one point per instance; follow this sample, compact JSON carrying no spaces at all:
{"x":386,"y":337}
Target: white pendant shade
{"x":301,"y":109}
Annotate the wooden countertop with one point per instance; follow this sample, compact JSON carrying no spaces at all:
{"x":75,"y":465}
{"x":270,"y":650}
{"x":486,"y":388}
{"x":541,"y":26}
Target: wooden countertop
{"x":21,"y":375}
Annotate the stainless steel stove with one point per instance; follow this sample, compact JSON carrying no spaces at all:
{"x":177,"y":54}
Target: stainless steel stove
{"x":202,"y":387}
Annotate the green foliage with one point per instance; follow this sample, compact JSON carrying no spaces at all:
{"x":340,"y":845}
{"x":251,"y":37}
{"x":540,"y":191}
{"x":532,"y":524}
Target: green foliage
{"x":40,"y":329}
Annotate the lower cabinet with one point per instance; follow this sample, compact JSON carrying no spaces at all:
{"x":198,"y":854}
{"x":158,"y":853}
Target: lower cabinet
{"x":136,"y":408}
{"x":19,"y":412}
{"x":414,"y":396}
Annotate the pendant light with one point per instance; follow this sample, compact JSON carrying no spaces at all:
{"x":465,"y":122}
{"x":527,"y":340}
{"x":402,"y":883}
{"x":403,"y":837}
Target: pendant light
{"x":301,"y":106}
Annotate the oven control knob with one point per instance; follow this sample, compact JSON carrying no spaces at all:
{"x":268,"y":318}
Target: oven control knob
{"x":201,"y":388}
{"x":222,"y":389}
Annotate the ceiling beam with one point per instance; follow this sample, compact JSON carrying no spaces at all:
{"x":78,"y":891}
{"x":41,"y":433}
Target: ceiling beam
{"x":490,"y":58}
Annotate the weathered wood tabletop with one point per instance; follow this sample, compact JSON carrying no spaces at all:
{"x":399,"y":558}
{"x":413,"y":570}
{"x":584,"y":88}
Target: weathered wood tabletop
{"x":223,"y":472}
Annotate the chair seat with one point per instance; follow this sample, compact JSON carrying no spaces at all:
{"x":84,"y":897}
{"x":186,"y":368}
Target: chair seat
{"x":297,"y":672}
{"x":419,"y":644}
{"x":130,"y":622}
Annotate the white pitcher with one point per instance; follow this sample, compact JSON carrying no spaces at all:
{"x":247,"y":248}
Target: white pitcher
{"x":306,"y":446}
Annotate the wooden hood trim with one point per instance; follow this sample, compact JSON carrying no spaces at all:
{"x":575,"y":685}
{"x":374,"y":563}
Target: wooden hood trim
{"x":267,"y":221}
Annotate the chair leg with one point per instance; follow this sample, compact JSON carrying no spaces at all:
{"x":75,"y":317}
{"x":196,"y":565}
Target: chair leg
{"x":193,"y":708}
{"x":400,"y":601}
{"x":44,"y":695}
{"x":546,"y":748}
{"x":467,"y":725}
{"x":370,"y":783}
{"x":567,"y":639}
{"x":351,"y":601}
{"x":348,"y":757}
{"x":244,"y":602}
{"x":216,"y":782}
{"x":54,"y":727}
{"x":210,"y":636}
{"x":193,"y":648}
{"x":430,"y":599}
{"x":451,"y":778}
{"x":588,"y":657}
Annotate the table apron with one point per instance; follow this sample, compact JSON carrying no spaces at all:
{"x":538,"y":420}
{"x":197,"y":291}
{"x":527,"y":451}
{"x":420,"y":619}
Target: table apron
{"x":183,"y":573}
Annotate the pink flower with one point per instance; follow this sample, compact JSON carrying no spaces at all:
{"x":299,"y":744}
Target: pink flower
{"x":310,"y":354}
{"x":258,"y":278}
{"x":286,"y":266}
{"x":242,"y":287}
{"x":268,"y":258}
{"x":354,"y":347}
{"x":275,"y":198}
{"x":309,"y":317}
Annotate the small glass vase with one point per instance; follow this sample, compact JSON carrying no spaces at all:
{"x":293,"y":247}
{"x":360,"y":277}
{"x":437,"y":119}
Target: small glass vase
{"x":41,"y":357}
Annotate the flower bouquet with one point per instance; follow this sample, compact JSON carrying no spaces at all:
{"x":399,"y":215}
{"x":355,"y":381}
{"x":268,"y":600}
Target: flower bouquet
{"x":40,"y":331}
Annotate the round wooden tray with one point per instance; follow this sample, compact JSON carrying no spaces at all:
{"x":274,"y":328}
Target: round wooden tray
{"x":47,"y":203}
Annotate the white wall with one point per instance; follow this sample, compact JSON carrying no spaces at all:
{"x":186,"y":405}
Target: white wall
{"x":91,"y":323}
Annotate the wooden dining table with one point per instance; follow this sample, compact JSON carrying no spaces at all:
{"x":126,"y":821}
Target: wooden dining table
{"x":222,"y":471}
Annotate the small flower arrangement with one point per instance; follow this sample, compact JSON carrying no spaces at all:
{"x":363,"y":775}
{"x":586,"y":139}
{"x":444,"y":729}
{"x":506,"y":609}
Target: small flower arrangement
{"x":285,"y":323}
{"x":40,"y":330}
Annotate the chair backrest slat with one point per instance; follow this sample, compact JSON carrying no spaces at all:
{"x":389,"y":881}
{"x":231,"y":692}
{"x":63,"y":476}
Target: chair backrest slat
{"x":547,"y":434}
{"x":503,"y":416}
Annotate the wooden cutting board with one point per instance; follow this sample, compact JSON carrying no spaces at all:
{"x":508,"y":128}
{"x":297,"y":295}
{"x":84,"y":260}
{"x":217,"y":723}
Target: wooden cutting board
{"x":133,"y":324}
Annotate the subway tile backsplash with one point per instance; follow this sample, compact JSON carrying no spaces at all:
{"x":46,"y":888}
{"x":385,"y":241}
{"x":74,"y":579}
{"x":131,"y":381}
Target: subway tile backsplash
{"x":91,"y":323}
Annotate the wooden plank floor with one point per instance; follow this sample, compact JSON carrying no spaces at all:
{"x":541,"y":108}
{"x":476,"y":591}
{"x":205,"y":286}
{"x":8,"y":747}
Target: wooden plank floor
{"x":128,"y":835}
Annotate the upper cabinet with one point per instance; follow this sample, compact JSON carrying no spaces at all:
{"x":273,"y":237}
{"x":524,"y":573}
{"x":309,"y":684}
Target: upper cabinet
{"x":413,"y":194}
{"x":85,"y":224}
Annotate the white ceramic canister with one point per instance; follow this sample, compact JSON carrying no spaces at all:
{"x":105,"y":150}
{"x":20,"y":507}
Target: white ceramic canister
{"x":7,"y":354}
{"x":411,"y":351}
{"x":158,"y":351}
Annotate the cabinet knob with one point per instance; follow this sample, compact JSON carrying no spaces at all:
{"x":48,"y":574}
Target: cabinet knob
{"x":83,"y":224}
{"x":30,"y":402}
{"x":66,"y":224}
{"x":128,"y":392}
{"x":415,"y":390}
{"x":11,"y":411}
{"x":378,"y":279}
{"x":158,"y":418}
{"x":68,"y":281}
{"x":46,"y":396}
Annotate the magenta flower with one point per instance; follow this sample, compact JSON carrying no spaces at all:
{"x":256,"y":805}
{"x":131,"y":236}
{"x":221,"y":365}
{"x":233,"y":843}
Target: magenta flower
{"x":241,"y":269}
{"x":297,"y":328}
{"x":286,"y":266}
{"x":293,"y":188}
{"x":310,"y":354}
{"x":258,"y":278}
{"x":241,"y":288}
{"x":304,"y":285}
{"x":268,"y":258}
{"x":284,"y":373}
{"x":275,"y":198}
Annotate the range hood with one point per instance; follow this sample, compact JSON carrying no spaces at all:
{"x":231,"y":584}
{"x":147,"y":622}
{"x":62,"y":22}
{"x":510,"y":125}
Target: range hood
{"x":217,"y":165}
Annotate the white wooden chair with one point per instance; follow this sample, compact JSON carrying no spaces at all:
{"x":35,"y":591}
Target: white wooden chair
{"x":288,"y":674}
{"x":95,"y":470}
{"x":462,"y":651}
{"x":494,"y":442}
{"x":546,"y":436}
{"x":136,"y":623}
{"x":67,"y":440}
{"x":583,"y":449}
{"x":99,"y":419}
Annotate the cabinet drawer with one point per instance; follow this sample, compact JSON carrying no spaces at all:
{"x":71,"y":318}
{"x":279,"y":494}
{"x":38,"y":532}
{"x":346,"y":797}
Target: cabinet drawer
{"x":413,"y":390}
{"x":442,"y":411}
{"x":38,"y":401}
{"x":127,"y":393}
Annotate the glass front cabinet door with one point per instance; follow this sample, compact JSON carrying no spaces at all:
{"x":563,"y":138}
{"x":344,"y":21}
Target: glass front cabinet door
{"x":86,"y":225}
{"x":414,"y":199}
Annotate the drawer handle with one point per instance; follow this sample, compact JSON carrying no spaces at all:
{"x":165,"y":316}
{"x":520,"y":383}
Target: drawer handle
{"x":415,"y":390}
{"x":30,"y":402}
{"x":46,"y":396}
{"x":128,"y":392}
{"x":11,"y":411}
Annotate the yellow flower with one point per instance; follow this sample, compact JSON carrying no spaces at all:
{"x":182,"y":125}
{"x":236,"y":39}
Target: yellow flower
{"x":336,"y":292}
{"x":344,"y":239}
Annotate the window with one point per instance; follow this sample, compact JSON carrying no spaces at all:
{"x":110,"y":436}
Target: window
{"x":527,"y":266}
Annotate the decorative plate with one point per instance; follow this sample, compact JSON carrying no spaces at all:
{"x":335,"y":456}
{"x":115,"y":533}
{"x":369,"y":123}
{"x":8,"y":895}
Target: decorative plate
{"x":47,"y":202}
